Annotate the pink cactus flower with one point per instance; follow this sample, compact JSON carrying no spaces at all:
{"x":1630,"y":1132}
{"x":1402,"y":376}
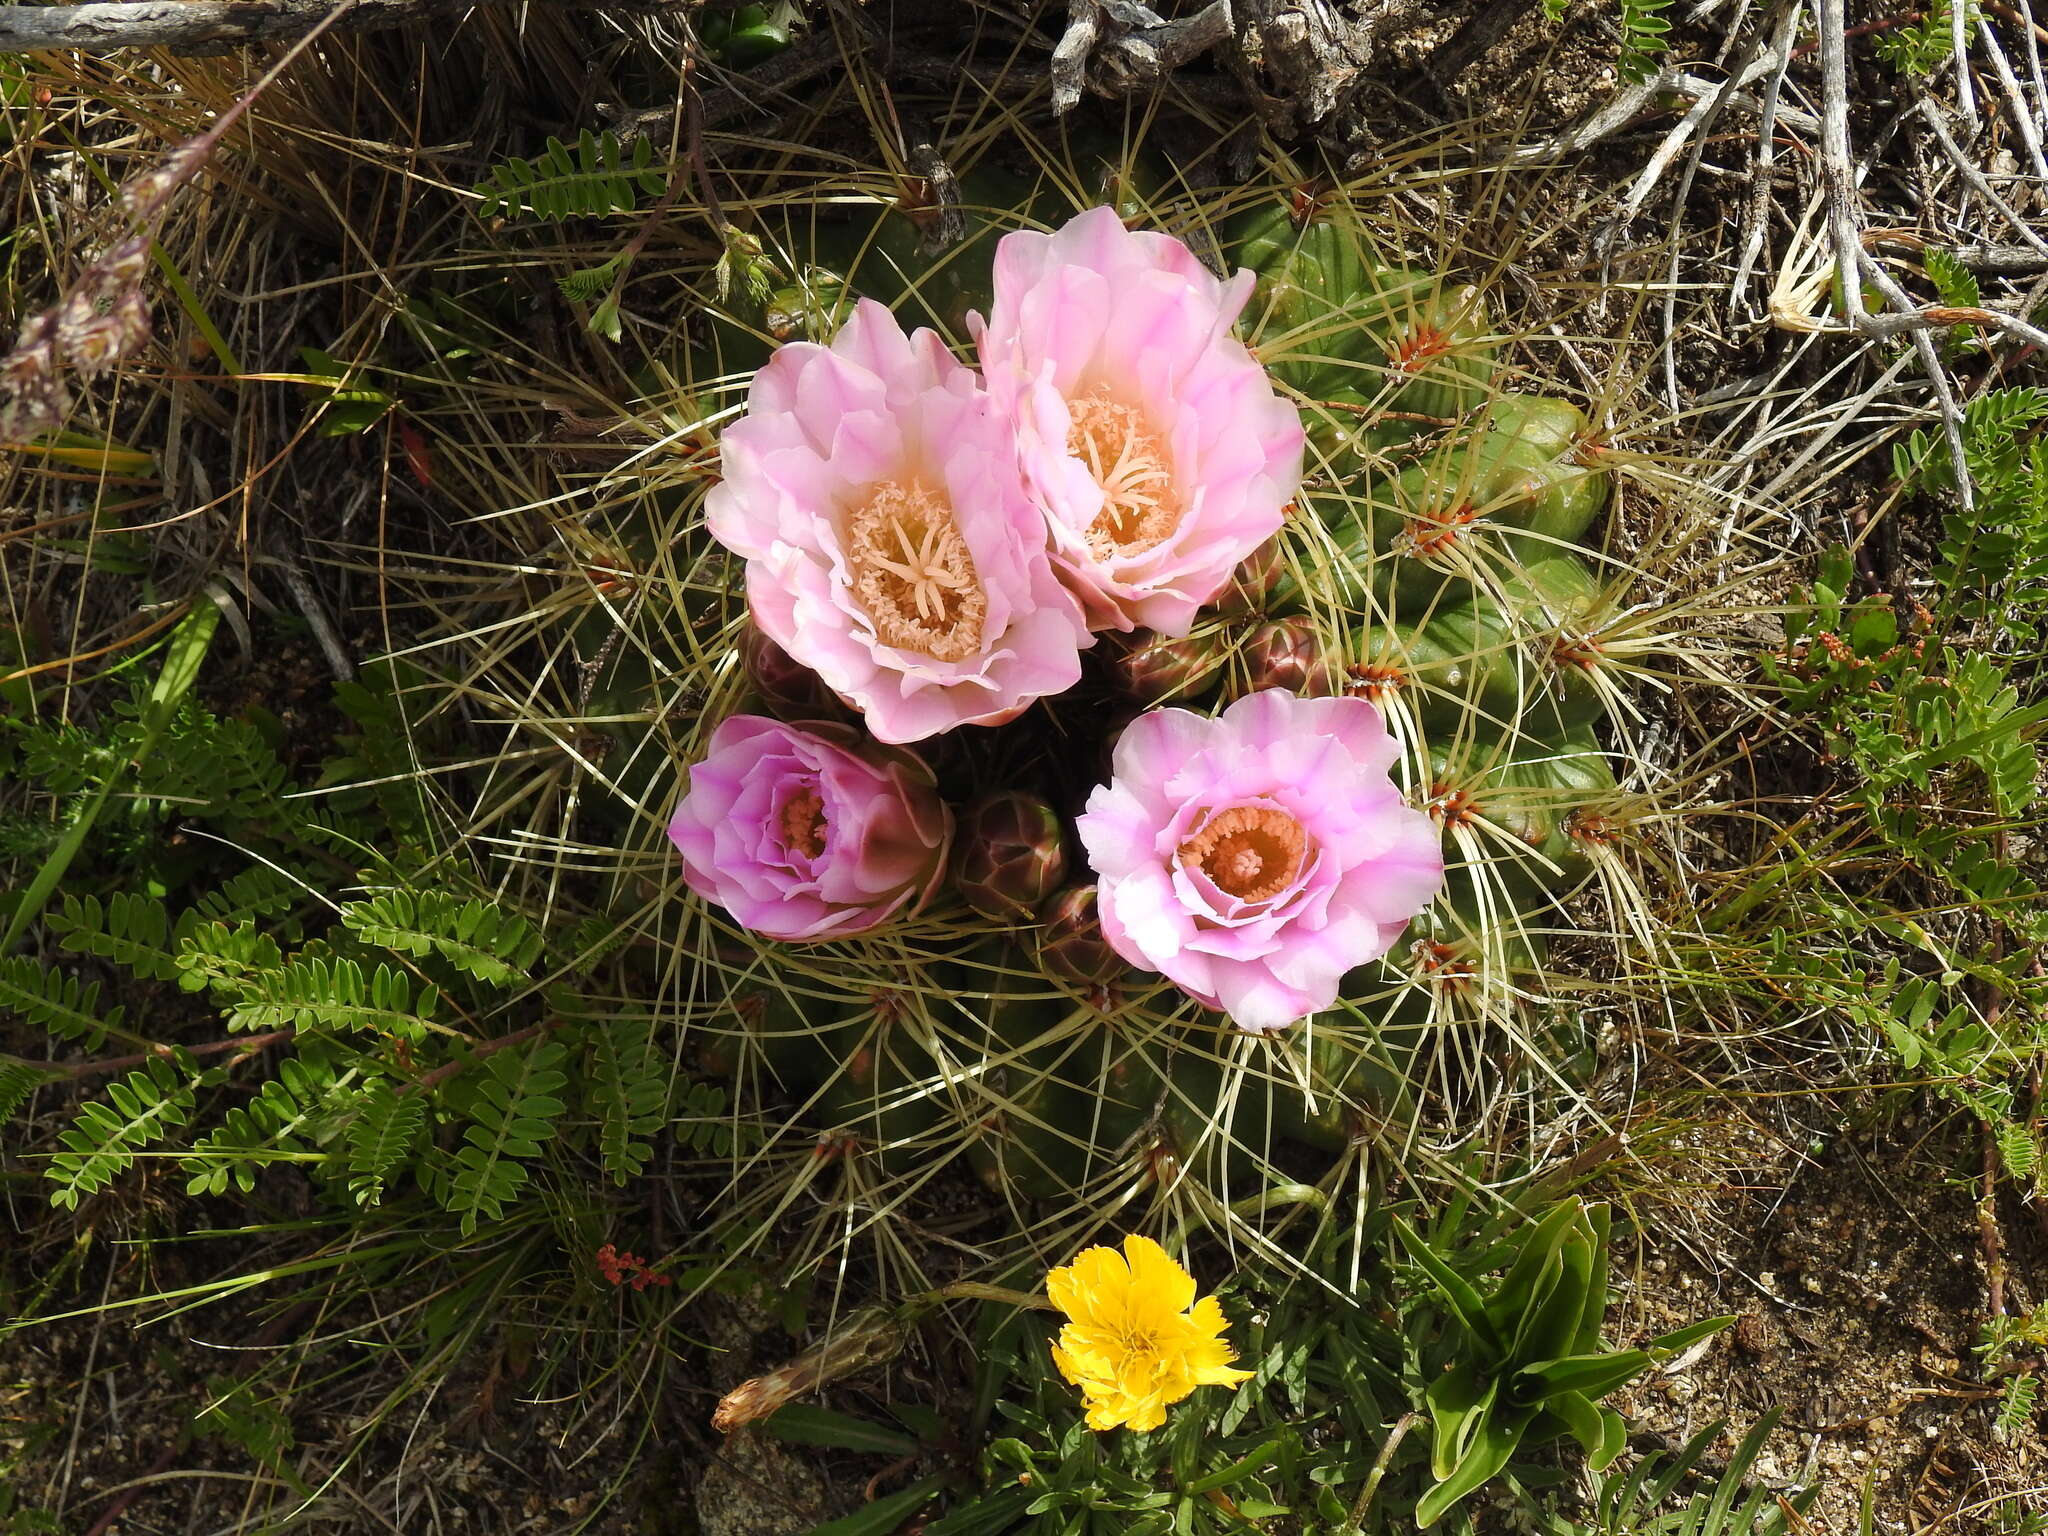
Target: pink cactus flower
{"x":1255,"y":857}
{"x":806,"y":832}
{"x":1153,"y":440}
{"x":891,"y":546}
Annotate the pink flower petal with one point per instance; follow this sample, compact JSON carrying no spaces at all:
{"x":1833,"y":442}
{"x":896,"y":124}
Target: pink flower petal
{"x":828,"y":431}
{"x":766,"y":791}
{"x":1367,"y":862}
{"x":1096,"y":311}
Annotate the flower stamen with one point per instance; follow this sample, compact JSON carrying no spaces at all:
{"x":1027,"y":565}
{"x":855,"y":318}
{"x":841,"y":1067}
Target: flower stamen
{"x":914,"y":573}
{"x":803,"y":822}
{"x":1251,"y":852}
{"x":1130,"y":464}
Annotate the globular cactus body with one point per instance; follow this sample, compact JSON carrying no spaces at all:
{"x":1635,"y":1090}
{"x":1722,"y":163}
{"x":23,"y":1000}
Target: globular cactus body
{"x":1438,"y":561}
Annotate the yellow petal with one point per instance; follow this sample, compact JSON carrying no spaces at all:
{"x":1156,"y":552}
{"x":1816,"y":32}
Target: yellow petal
{"x":1145,"y":1413}
{"x":1063,"y":1289}
{"x":1157,"y":1282}
{"x":1091,"y":1340}
{"x":1207,"y":1317}
{"x":1217,"y":1374}
{"x":1104,"y":1415}
{"x":1093,"y":1287}
{"x":1065,"y":1362}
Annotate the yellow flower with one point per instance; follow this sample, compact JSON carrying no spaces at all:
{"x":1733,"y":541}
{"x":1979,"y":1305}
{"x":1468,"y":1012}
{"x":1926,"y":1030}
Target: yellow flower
{"x":1138,"y":1340}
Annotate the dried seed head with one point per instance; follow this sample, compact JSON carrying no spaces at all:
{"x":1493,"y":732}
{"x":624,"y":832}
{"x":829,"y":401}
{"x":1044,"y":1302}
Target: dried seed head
{"x":93,"y":346}
{"x":124,"y":264}
{"x":869,"y":1337}
{"x":35,"y":397}
{"x":144,"y":196}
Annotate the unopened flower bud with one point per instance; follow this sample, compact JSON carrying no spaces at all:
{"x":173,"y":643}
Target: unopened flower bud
{"x":1286,"y":654}
{"x":786,"y":686}
{"x":1008,"y":855}
{"x":1070,"y":941}
{"x":1151,"y":668}
{"x":1253,"y":584}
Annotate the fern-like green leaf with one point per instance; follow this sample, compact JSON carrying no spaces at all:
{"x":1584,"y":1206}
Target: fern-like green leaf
{"x":227,"y":959}
{"x":2017,"y":1407}
{"x":66,"y":1006}
{"x":512,"y":1114}
{"x":1927,"y":42}
{"x":132,"y":931}
{"x":492,"y":944}
{"x":258,"y":892}
{"x":280,"y":1124}
{"x":626,"y":1092}
{"x":702,"y":1124}
{"x":17,"y":1081}
{"x":105,"y":1136}
{"x":380,"y":1138}
{"x":1954,"y":282}
{"x":2018,"y":1148}
{"x":1643,"y":31}
{"x":316,"y":992}
{"x":586,"y":285}
{"x":588,"y":180}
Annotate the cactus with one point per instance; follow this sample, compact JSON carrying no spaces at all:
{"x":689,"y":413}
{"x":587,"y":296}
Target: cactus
{"x":1442,"y":560}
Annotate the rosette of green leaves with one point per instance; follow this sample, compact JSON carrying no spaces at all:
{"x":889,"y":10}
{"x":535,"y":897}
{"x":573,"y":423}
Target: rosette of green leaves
{"x":1522,"y":1363}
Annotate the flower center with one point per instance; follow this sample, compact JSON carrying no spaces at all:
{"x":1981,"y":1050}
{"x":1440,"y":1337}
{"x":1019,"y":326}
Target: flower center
{"x":1141,"y":1356}
{"x":913,"y":572}
{"x":1129,"y":463}
{"x":803,"y":822}
{"x":1250,"y":852}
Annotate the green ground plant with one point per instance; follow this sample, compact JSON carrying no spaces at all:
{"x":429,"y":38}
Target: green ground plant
{"x":1379,"y":1371}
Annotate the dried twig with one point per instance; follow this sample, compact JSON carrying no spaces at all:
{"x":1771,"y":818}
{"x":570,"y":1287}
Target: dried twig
{"x":195,"y":26}
{"x":2022,"y":114}
{"x":1119,"y":46}
{"x":1979,"y":182}
{"x":1855,"y":265}
{"x":1988,"y":1235}
{"x":1589,"y":130}
{"x":248,"y":1045}
{"x":1755,"y":213}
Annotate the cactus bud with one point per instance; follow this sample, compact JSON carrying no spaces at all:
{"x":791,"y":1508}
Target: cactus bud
{"x":790,"y":689}
{"x":1254,"y":583}
{"x":1070,"y":941}
{"x":1008,"y":855}
{"x":1286,"y":654}
{"x":1152,"y":668}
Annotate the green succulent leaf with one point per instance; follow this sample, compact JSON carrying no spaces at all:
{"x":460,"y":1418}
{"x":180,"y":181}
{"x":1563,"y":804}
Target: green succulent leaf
{"x":1582,"y":1420}
{"x":1464,"y":1300}
{"x":1460,"y":1402}
{"x":1487,"y":1451}
{"x":1532,"y":1275}
{"x":1592,"y":1375}
{"x":1557,"y":1308}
